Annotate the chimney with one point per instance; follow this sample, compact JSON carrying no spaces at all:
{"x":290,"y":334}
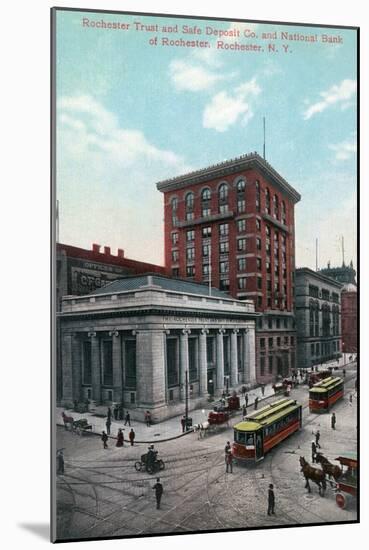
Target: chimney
{"x":96,"y":247}
{"x":107,"y":250}
{"x":120,"y":253}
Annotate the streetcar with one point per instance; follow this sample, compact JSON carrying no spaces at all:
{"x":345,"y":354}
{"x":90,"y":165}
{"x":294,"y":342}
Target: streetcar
{"x":325,"y":393}
{"x":263,"y":429}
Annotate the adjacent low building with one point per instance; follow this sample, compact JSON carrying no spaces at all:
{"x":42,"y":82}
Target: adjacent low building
{"x":133,"y":341}
{"x":318,"y":317}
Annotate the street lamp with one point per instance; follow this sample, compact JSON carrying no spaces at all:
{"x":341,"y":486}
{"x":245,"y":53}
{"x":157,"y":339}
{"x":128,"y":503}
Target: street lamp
{"x":186,"y":399}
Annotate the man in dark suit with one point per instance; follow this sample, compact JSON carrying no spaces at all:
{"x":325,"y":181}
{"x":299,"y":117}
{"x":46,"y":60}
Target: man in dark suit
{"x":271,"y":500}
{"x":158,"y":488}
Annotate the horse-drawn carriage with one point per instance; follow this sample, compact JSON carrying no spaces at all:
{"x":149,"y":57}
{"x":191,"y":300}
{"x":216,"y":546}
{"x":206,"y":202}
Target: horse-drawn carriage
{"x":79,"y":427}
{"x":283,"y":386}
{"x":346,"y":489}
{"x":343,"y":481}
{"x":149,"y":462}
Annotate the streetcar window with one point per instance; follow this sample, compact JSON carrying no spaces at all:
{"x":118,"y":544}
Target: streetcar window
{"x":316,"y":396}
{"x":239,"y":437}
{"x":249,"y":439}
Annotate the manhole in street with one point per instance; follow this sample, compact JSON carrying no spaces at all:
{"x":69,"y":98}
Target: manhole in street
{"x":156,"y":435}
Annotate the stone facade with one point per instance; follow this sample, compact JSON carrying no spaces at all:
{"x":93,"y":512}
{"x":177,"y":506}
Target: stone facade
{"x":133,"y":342}
{"x":318,"y":318}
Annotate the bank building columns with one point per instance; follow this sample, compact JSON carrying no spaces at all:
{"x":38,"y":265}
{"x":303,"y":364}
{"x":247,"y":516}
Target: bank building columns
{"x":234,"y":358}
{"x":184,"y":363}
{"x":203,"y":363}
{"x":220,"y":360}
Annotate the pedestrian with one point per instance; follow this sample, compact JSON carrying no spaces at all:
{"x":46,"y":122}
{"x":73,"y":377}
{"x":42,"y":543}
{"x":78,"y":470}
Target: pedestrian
{"x":148,"y":418}
{"x":344,"y":373}
{"x":244,"y":410}
{"x":109,"y":414}
{"x":227,"y":448}
{"x":108,"y":424}
{"x":246,"y":399}
{"x":115,"y":412}
{"x":127,"y":419}
{"x":120,"y":411}
{"x":350,"y":398}
{"x":229,"y":462}
{"x":313,"y":452}
{"x":317,"y":438}
{"x":262,"y":389}
{"x":158,"y":488}
{"x":256,"y":403}
{"x":333,"y":421}
{"x":120,"y":438}
{"x":271,"y":500}
{"x":132,"y":436}
{"x":243,"y":390}
{"x":151,"y":456}
{"x":183,"y":423}
{"x":60,"y":462}
{"x":104,"y":439}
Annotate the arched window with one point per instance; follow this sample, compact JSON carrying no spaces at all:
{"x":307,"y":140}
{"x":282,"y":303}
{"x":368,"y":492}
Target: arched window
{"x":241,"y":184}
{"x":205,"y":194}
{"x":257,"y":195}
{"x":223,"y":192}
{"x":283,"y":212}
{"x":174,"y":203}
{"x":276,"y":207}
{"x":190,"y":199}
{"x":267,"y":201}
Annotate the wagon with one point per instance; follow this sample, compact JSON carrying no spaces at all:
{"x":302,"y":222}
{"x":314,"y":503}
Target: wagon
{"x":347,"y":483}
{"x":81,"y":426}
{"x":143,"y":464}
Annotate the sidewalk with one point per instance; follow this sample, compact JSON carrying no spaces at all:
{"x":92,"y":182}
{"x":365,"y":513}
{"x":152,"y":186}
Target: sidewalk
{"x":171,"y":428}
{"x":168,"y":429}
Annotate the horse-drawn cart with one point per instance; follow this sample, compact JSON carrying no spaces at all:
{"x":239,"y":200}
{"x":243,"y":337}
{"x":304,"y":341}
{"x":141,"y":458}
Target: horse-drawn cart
{"x":347,"y":482}
{"x":149,"y":464}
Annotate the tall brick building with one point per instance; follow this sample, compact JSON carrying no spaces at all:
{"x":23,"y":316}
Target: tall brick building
{"x":233,"y":223}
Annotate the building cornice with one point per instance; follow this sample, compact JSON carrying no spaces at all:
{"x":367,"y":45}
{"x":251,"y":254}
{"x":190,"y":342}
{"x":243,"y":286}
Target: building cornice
{"x":228,"y":167}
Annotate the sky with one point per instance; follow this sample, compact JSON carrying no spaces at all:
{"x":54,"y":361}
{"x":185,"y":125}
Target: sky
{"x":132,"y":110}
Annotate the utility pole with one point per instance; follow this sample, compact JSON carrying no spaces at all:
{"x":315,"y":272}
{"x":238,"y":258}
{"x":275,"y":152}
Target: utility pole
{"x":343,"y":252}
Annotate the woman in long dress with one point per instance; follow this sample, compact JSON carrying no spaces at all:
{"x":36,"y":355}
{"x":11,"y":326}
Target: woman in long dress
{"x":120,"y":438}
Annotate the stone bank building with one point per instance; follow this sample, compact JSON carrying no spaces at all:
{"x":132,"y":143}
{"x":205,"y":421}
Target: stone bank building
{"x":133,"y":341}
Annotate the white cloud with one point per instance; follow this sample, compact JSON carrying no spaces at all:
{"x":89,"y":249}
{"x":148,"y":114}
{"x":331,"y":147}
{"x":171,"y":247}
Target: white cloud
{"x":187,"y":76}
{"x":337,"y":94}
{"x":344,"y":150}
{"x":106,"y":178}
{"x":225,"y":109}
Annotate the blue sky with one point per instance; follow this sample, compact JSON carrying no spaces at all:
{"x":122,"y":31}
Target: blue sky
{"x":130,"y":113}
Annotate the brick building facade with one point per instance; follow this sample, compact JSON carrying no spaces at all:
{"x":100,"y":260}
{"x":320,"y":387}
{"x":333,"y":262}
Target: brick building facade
{"x":232,"y":224}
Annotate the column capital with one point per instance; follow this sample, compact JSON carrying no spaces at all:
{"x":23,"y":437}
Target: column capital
{"x":186,"y":331}
{"x":92,"y":334}
{"x":113,"y":333}
{"x":204,"y":331}
{"x":235,"y":330}
{"x":221,"y":330}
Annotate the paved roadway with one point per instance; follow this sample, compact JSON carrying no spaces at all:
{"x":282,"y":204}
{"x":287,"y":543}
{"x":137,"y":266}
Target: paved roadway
{"x":101,"y":494}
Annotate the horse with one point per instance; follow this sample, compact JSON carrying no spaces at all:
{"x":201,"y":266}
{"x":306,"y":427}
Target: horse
{"x":315,"y":474}
{"x":328,"y":468}
{"x":67,"y":420}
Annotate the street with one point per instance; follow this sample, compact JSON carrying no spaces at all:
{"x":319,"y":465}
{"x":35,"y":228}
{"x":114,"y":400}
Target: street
{"x":101,"y":494}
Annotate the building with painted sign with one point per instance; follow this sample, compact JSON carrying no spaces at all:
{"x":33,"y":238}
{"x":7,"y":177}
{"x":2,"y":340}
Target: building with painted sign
{"x":133,"y":340}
